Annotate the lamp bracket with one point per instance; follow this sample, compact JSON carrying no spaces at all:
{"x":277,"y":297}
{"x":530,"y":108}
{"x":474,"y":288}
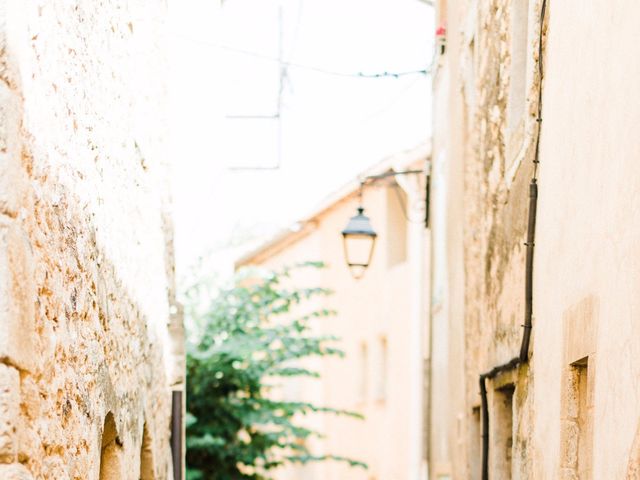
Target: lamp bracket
{"x":374,"y":178}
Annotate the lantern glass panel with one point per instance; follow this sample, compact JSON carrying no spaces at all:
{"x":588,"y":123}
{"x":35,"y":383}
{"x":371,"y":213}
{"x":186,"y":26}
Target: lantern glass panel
{"x":358,"y":252}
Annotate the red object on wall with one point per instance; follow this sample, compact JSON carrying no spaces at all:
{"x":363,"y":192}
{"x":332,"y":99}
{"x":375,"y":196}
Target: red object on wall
{"x":441,"y":31}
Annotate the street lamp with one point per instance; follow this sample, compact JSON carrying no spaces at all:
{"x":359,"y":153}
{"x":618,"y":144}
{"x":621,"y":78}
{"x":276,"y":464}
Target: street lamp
{"x":359,"y":239}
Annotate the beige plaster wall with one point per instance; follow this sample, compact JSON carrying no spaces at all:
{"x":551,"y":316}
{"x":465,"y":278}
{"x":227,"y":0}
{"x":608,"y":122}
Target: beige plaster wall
{"x":380,"y":305}
{"x":86,"y":267}
{"x":447,"y":410}
{"x":588,"y":231}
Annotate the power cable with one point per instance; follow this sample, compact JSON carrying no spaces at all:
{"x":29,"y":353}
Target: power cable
{"x":296,"y":32}
{"x":311,"y":68}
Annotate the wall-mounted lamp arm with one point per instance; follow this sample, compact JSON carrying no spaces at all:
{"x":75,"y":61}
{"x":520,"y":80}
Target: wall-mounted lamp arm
{"x":374,"y":178}
{"x":368,"y":180}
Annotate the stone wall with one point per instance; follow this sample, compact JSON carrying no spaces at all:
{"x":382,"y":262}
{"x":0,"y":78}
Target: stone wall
{"x":486,"y":139}
{"x":498,"y":170}
{"x":87,"y":362}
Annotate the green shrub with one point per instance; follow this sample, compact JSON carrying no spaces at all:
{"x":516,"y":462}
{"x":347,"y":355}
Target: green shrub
{"x":242,"y":339}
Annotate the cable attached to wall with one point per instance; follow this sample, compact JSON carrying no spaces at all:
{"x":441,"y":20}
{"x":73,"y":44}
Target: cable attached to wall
{"x":523,"y":356}
{"x":533,"y":202}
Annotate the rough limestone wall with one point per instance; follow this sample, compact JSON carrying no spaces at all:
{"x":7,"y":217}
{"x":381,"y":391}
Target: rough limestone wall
{"x":86,"y":275}
{"x":496,"y":210}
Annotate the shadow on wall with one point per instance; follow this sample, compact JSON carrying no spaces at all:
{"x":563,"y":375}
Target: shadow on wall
{"x":147,"y":467}
{"x":633,"y":469}
{"x":112,"y":453}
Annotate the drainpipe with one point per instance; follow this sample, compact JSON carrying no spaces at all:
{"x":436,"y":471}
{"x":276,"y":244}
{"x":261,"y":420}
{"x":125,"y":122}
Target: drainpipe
{"x":176,"y":434}
{"x":485,"y":428}
{"x":533,"y":201}
{"x":528,"y":287}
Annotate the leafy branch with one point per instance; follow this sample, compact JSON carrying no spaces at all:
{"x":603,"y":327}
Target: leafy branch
{"x":242,"y":339}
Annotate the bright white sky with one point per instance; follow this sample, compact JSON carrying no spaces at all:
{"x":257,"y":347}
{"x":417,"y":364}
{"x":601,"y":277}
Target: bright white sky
{"x":332,"y":127}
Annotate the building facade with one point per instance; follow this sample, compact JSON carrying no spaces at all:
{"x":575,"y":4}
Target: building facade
{"x":90,"y":335}
{"x":535,"y":230}
{"x":380,"y":319}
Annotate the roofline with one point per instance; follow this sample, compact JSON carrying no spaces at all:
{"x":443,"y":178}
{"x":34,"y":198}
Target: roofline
{"x":304,"y":227}
{"x":275,"y":244}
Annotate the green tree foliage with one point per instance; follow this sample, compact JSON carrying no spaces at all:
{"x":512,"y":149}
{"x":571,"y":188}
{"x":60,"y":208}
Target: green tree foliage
{"x":244,"y":339}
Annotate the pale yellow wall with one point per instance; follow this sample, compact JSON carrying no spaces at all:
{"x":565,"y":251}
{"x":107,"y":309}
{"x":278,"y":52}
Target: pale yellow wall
{"x":446,"y":408}
{"x":86,"y":268}
{"x":588,"y":227}
{"x":586,"y":267}
{"x":375,"y":307}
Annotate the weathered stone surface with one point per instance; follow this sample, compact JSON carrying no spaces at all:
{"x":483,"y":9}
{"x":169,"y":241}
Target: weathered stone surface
{"x":13,"y":182}
{"x":55,"y":468}
{"x":29,"y":443}
{"x":12,"y":178}
{"x":9,"y":409}
{"x":85,"y":282}
{"x":15,"y":471}
{"x":29,"y":398}
{"x":17,"y":297}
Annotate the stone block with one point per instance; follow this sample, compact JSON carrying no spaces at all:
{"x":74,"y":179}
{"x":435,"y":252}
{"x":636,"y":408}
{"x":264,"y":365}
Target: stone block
{"x":17,"y":297}
{"x":9,"y":413}
{"x":12,"y":175}
{"x":29,"y":398}
{"x":55,"y":468}
{"x":15,"y":471}
{"x":568,"y":474}
{"x":29,"y":443}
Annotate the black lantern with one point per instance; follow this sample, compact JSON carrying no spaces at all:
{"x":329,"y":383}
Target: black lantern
{"x":359,"y":239}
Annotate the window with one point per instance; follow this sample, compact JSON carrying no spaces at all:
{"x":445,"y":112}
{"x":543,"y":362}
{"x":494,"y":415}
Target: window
{"x":396,"y":225}
{"x":518,"y":72}
{"x":381,"y":370}
{"x":577,"y":438}
{"x":475,"y":445}
{"x":578,"y":382}
{"x":584,"y":408}
{"x":503,"y":445}
{"x":364,"y":370}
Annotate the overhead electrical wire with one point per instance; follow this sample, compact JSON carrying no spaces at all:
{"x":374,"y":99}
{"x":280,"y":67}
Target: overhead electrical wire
{"x":385,"y":74}
{"x":284,"y":65}
{"x":311,"y":68}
